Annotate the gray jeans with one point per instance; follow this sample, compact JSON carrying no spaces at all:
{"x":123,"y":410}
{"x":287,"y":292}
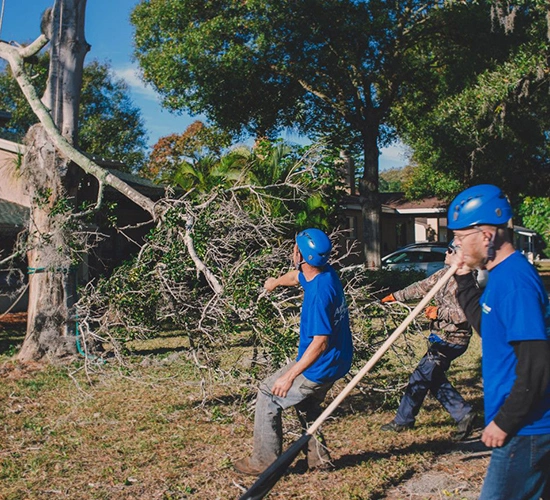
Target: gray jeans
{"x":306,"y":397}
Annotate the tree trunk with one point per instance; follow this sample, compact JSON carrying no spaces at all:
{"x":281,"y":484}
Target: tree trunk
{"x":49,"y":257}
{"x":68,"y":50}
{"x":52,"y":289}
{"x":370,"y":200}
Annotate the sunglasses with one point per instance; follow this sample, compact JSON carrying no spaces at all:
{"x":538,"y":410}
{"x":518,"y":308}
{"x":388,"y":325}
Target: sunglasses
{"x":452,"y":248}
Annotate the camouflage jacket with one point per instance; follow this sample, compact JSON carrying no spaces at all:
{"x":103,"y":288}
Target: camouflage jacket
{"x":451,"y":324}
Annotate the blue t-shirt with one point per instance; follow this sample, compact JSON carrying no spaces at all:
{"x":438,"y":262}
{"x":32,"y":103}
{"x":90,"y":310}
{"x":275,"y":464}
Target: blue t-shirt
{"x":325,"y":312}
{"x":514,"y":308}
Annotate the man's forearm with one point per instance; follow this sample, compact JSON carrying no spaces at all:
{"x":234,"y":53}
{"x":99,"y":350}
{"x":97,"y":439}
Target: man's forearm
{"x":287,"y":279}
{"x":317,"y":347}
{"x":532,"y":380}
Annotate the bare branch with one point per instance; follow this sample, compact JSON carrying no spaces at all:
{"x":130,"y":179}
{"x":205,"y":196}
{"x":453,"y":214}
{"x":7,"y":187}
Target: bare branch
{"x":13,"y":256}
{"x":214,"y":283}
{"x":34,"y":48}
{"x":96,"y":207}
{"x":13,"y":55}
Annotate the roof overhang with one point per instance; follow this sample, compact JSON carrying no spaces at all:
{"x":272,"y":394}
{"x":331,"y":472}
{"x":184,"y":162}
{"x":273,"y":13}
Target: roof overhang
{"x":13,"y":217}
{"x":524,"y":231}
{"x":400,"y":211}
{"x":420,"y":211}
{"x":395,"y":204}
{"x":12,"y":147}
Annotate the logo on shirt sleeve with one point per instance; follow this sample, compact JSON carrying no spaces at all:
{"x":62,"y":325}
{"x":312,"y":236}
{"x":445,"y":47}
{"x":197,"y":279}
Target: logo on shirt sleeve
{"x":341,"y":313}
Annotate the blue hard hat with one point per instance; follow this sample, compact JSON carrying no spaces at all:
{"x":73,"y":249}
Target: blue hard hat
{"x":315,"y":246}
{"x":482,"y":204}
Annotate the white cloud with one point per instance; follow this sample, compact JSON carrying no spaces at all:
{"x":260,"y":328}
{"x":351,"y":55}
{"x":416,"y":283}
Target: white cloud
{"x":394,"y":156}
{"x":130,"y":75}
{"x":396,"y":152}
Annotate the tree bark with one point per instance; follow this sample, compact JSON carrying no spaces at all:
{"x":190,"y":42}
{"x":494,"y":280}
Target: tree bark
{"x":52,"y":181}
{"x":68,"y":50}
{"x":50,"y":331}
{"x":370,"y":200}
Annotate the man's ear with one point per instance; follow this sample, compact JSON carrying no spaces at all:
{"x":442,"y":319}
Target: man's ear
{"x":488,"y":233}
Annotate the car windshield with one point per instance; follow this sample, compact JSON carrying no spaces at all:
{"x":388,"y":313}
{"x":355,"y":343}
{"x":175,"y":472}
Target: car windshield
{"x":398,"y":258}
{"x":415,"y":256}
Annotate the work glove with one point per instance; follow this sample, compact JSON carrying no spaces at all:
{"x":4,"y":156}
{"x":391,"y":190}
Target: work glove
{"x":388,"y":298}
{"x":431,"y":312}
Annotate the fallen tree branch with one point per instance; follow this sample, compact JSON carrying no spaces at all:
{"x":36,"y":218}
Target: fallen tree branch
{"x":188,"y":240}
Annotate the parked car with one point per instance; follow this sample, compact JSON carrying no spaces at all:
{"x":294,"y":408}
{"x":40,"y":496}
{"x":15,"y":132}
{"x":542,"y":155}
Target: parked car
{"x":427,"y":257}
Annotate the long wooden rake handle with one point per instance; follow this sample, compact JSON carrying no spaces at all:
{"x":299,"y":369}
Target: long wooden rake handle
{"x":274,"y":472}
{"x":378,"y":354}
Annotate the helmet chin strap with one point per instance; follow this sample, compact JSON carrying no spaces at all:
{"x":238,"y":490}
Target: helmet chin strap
{"x":491,"y":251}
{"x":298,"y":265}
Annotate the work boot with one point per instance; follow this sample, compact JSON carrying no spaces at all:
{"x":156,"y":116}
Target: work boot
{"x":318,"y":458}
{"x":321,"y":465}
{"x":395,"y":427}
{"x":245,"y":467}
{"x":465,"y":426}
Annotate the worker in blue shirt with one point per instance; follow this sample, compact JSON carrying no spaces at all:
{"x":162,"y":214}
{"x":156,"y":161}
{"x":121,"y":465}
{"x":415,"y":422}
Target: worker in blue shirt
{"x":512,"y":316}
{"x":324,"y":355}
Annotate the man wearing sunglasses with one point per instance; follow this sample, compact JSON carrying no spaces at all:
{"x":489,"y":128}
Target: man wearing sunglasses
{"x":512,"y":316}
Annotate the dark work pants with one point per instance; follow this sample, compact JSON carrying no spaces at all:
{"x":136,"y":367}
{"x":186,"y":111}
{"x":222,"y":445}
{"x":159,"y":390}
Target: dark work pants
{"x":429,"y":375}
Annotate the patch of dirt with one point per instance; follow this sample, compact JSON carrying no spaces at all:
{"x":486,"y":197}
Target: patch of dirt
{"x":457,"y":475}
{"x":18,"y":371}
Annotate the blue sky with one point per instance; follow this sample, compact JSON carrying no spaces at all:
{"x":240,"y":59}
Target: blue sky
{"x":110,"y":34}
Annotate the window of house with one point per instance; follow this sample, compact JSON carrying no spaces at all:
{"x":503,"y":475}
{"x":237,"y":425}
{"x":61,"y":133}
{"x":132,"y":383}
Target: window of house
{"x":351,"y":234}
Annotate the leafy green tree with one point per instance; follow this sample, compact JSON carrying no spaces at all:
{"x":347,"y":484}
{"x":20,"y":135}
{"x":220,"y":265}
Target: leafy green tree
{"x":424,"y":181}
{"x":199,"y":160}
{"x":535,"y":215}
{"x":13,"y":101}
{"x":481,"y":111}
{"x":192,"y":160}
{"x":330,"y":69}
{"x":392,"y":180}
{"x":197,"y":143}
{"x":110,"y":125}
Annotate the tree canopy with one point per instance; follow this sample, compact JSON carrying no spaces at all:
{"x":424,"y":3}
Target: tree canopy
{"x":321,"y":66}
{"x":110,"y":125}
{"x":482,"y":116}
{"x":197,"y":143}
{"x":330,"y":69}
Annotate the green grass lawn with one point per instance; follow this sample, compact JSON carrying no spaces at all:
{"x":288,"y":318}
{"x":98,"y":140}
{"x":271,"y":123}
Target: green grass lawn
{"x":161,"y":429}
